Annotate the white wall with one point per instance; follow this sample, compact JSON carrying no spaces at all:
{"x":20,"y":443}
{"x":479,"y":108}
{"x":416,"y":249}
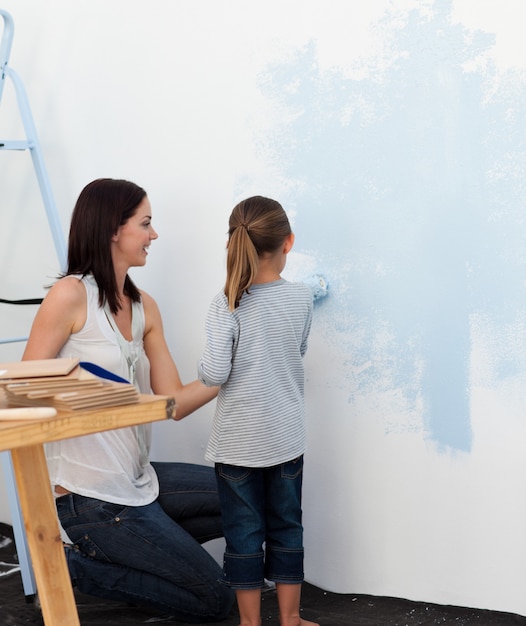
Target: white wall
{"x":393,"y":133}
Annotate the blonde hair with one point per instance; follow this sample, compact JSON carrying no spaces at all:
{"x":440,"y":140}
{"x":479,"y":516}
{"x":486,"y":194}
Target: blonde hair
{"x":257,"y":225}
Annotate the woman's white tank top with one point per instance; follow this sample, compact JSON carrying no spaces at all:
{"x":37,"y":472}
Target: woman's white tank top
{"x":111,"y":465}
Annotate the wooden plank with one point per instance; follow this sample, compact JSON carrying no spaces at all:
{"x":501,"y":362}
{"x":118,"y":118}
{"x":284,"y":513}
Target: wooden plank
{"x":36,"y":368}
{"x":150,"y":408}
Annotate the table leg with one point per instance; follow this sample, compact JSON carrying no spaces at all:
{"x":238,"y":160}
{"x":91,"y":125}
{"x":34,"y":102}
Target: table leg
{"x":43,"y":537}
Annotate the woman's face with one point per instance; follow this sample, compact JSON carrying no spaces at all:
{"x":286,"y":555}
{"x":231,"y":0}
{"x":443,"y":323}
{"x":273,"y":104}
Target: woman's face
{"x":131,"y":241}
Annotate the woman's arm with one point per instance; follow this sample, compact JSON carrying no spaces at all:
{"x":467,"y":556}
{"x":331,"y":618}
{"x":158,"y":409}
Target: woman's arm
{"x":164,"y":376}
{"x":62,"y":312}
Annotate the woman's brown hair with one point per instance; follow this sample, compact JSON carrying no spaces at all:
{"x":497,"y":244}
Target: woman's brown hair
{"x":103,"y":206}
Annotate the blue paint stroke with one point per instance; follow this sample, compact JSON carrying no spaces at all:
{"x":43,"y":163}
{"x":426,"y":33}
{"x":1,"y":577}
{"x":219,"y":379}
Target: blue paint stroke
{"x":390,"y":179}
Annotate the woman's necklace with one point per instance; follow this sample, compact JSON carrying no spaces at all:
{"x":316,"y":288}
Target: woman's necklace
{"x":127,"y":349}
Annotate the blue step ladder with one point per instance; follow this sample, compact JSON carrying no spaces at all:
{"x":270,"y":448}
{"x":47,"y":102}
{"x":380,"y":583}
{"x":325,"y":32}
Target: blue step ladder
{"x":31,"y":144}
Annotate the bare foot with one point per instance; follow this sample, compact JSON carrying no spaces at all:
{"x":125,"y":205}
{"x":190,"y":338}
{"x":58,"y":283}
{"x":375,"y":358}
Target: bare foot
{"x":297,"y":621}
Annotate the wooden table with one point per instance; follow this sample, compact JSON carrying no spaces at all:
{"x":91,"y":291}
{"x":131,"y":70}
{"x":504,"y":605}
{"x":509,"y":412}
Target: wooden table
{"x":25,"y":439}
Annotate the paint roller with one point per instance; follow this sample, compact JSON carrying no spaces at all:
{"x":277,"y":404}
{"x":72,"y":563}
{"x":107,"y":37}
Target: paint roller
{"x":318,"y":285}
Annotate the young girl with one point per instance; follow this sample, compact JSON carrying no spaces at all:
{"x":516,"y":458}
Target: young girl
{"x":257,"y":331}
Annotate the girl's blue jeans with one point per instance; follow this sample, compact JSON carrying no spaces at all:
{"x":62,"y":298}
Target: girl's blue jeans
{"x":261,"y":509}
{"x":151,"y":556}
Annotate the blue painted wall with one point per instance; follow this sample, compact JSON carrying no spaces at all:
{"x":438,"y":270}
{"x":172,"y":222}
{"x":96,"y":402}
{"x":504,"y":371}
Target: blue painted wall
{"x":407,"y":188}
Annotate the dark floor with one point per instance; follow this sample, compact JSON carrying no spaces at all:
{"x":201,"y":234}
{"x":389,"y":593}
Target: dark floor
{"x":328,"y":609}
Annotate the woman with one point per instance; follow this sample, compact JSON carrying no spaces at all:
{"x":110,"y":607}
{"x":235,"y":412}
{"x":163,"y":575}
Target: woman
{"x":136,"y":526}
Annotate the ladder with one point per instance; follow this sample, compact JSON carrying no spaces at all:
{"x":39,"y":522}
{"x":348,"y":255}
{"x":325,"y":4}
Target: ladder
{"x":31,"y":144}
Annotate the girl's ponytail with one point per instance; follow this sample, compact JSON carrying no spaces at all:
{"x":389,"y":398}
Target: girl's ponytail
{"x":241,"y":265}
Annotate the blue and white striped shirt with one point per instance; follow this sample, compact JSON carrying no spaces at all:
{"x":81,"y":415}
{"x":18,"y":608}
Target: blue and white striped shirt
{"x":255,"y":354}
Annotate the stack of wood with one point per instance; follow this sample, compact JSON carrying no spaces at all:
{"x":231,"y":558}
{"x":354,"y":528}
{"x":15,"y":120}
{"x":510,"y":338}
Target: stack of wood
{"x":64,"y":384}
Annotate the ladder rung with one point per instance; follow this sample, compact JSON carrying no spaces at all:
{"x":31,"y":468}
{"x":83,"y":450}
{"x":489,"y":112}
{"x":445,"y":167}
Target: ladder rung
{"x":13,"y":340}
{"x":15,"y":145}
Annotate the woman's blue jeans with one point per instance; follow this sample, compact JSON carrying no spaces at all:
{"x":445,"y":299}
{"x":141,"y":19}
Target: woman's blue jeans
{"x":151,"y":555}
{"x":261,"y":506}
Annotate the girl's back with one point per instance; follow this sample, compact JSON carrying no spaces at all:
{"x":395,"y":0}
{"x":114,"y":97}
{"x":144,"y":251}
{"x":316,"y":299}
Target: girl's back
{"x":256,"y":354}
